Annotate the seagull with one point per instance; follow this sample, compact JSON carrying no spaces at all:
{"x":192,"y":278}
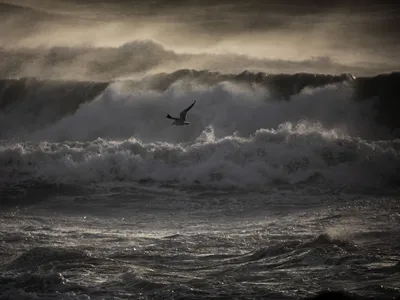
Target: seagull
{"x":182,"y":117}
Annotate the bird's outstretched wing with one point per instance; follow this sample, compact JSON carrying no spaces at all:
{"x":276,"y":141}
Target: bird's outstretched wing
{"x":183,"y":113}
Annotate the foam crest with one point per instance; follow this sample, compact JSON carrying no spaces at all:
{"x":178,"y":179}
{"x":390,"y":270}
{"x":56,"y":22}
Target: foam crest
{"x":292,"y":153}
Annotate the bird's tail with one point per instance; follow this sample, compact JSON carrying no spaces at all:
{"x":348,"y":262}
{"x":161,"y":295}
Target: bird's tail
{"x":169,"y":117}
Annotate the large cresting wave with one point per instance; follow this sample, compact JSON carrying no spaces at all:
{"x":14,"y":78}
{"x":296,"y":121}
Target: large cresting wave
{"x":241,"y":135}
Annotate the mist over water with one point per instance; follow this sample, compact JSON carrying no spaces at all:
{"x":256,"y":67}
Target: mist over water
{"x":227,"y":107}
{"x":109,"y":40}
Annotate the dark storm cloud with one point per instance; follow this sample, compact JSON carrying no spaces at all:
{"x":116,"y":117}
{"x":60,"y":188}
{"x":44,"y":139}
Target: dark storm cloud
{"x":234,"y":16}
{"x":185,"y":8}
{"x":154,"y":7}
{"x":275,"y":5}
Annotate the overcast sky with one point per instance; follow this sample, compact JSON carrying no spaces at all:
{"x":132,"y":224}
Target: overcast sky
{"x":378,"y":17}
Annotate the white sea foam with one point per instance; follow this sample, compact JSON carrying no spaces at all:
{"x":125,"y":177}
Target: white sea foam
{"x":239,"y":136}
{"x":292,"y":153}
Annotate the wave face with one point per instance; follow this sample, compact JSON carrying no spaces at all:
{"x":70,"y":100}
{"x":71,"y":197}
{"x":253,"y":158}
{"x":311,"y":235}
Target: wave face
{"x":28,"y":104}
{"x":243,"y":132}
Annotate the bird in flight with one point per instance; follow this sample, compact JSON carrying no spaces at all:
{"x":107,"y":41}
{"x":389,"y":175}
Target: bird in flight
{"x":182,"y":117}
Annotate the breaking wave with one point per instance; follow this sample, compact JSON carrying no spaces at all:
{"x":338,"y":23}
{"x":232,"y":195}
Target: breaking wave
{"x":247,"y":130}
{"x":289,"y":154}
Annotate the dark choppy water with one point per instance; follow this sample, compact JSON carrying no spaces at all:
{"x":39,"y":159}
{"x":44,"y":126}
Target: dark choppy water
{"x":124,"y":241}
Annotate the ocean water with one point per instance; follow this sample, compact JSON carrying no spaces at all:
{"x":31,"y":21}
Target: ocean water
{"x":282,"y":187}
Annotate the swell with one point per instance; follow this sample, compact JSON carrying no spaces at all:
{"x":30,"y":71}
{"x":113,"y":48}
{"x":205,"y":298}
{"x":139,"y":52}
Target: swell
{"x":383,"y":88}
{"x":280,"y":85}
